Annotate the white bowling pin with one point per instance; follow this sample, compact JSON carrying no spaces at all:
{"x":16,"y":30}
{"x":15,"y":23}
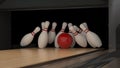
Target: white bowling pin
{"x":83,"y":33}
{"x":27,"y":39}
{"x":79,"y":30}
{"x":43,"y":25}
{"x":85,"y":24}
{"x":61,"y":31}
{"x":92,"y":38}
{"x":71,"y":34}
{"x":52,"y":34}
{"x":43,"y":37}
{"x":79,"y":38}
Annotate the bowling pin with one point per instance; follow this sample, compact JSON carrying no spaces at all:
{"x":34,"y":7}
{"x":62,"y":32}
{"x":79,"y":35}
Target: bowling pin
{"x":71,"y":34}
{"x":92,"y":38}
{"x":83,"y":33}
{"x":85,"y":24}
{"x":43,"y":37}
{"x":43,"y":25}
{"x":79,"y":30}
{"x":52,"y":33}
{"x":61,"y":31}
{"x":79,"y":38}
{"x":28,"y":38}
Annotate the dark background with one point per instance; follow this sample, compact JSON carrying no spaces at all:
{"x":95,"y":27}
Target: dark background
{"x":24,"y":22}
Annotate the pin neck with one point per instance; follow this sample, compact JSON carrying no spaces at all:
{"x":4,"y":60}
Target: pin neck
{"x":75,"y":34}
{"x":80,"y":31}
{"x":33,"y":33}
{"x":45,"y":29}
{"x":86,"y":30}
{"x":53,"y":27}
{"x":52,"y":30}
{"x":62,"y":30}
{"x":70,"y":32}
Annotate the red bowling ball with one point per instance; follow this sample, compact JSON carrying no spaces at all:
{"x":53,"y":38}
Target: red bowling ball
{"x":64,"y":40}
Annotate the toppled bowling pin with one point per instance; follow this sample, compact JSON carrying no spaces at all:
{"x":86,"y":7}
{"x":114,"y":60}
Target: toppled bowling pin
{"x":71,"y":34}
{"x":92,"y":38}
{"x":61,"y":31}
{"x":52,"y":33}
{"x":79,"y":38}
{"x":43,"y":37}
{"x":28,"y":38}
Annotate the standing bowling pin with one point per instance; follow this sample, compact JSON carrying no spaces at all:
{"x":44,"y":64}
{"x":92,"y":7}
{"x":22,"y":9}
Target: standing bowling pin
{"x":43,"y":37}
{"x":71,"y":34}
{"x":52,"y":33}
{"x":79,"y":38}
{"x":61,"y":31}
{"x":27,"y":39}
{"x":92,"y":38}
{"x":43,"y":25}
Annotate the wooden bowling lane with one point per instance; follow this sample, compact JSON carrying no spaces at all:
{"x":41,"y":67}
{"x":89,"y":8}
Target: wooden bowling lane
{"x":30,"y":56}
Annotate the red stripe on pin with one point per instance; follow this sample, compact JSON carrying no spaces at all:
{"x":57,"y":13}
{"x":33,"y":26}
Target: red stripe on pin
{"x":86,"y":30}
{"x":44,"y":29}
{"x":33,"y":33}
{"x":76,"y":33}
{"x":62,"y":30}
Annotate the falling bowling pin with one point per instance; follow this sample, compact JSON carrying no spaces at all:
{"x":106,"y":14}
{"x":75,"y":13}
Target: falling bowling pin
{"x":27,"y":39}
{"x":85,"y":24}
{"x":43,"y":37}
{"x":71,"y":34}
{"x":52,"y":33}
{"x":79,"y":38}
{"x":61,"y":31}
{"x":79,"y":30}
{"x":92,"y":38}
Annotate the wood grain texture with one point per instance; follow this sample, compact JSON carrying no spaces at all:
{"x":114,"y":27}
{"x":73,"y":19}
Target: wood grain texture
{"x":30,"y":56}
